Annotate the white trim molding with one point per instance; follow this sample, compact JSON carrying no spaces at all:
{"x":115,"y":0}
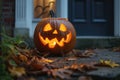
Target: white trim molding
{"x":23,"y":15}
{"x":62,"y":8}
{"x":20,"y":14}
{"x":117,"y":18}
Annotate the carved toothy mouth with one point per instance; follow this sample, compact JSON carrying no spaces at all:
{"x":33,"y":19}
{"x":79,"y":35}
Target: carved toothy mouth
{"x":53,"y":42}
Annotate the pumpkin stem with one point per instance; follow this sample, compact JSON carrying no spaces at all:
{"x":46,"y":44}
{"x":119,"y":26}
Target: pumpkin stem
{"x":52,"y":13}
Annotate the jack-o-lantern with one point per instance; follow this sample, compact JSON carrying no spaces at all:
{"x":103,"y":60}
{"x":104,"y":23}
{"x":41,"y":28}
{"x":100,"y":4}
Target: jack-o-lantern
{"x":54,"y":35}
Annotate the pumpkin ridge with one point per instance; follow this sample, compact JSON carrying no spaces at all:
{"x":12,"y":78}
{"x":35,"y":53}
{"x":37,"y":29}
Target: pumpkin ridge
{"x":55,"y":39}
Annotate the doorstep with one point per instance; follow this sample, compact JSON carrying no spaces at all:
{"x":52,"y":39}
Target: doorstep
{"x":83,"y":42}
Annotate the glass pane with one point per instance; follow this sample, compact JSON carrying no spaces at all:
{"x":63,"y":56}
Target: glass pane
{"x":42,"y":8}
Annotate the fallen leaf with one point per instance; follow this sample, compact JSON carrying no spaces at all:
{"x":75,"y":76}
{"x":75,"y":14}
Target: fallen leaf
{"x":83,"y":67}
{"x":45,"y":60}
{"x":77,"y":53}
{"x":74,"y":66}
{"x":36,"y":64}
{"x":15,"y":58}
{"x":22,"y":58}
{"x":61,"y":73}
{"x":84,"y":54}
{"x":88,"y":67}
{"x":89,"y":52}
{"x":39,"y":63}
{"x":85,"y":78}
{"x":17,"y":71}
{"x":71,"y":59}
{"x":107,"y":63}
{"x":116,"y":49}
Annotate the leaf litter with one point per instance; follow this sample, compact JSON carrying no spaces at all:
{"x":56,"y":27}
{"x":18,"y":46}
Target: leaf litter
{"x":29,"y":62}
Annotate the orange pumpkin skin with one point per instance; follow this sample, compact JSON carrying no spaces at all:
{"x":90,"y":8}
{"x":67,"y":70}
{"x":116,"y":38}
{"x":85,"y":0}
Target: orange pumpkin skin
{"x":54,"y":35}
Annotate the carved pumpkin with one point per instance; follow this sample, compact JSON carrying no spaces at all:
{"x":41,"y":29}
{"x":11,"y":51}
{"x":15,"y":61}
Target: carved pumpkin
{"x":54,"y":35}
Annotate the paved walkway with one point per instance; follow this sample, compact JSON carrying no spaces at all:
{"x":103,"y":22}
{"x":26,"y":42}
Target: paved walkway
{"x":107,"y":72}
{"x":102,"y":73}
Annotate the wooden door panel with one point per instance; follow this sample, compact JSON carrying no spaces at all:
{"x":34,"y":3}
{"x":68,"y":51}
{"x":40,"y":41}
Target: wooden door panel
{"x":79,"y":16}
{"x":98,"y":11}
{"x":92,"y":17}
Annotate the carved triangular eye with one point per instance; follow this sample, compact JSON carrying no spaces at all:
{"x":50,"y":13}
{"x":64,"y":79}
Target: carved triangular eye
{"x":62,"y":28}
{"x":47,"y":27}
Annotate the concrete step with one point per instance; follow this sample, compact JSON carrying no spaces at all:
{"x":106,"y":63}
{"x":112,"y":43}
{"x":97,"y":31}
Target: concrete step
{"x":97,"y":42}
{"x":89,"y":42}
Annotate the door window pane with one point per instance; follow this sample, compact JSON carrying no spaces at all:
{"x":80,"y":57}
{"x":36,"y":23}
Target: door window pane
{"x":42,"y":8}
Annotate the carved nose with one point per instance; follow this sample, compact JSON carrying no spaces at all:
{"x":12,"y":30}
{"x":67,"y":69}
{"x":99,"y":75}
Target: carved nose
{"x":55,"y":32}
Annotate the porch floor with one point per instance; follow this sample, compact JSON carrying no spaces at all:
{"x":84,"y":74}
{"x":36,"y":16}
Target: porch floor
{"x":97,"y":73}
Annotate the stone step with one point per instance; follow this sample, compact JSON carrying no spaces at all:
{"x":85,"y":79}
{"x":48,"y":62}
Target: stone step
{"x":87,"y":42}
{"x":97,"y":42}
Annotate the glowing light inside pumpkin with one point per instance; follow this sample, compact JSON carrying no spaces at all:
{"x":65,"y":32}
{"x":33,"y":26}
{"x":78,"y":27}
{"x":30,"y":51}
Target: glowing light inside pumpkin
{"x":47,"y":27}
{"x":52,"y":43}
{"x":63,"y":27}
{"x":55,"y":32}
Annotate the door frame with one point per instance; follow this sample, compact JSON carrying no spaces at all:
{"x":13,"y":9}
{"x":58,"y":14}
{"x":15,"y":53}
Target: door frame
{"x":63,"y":8}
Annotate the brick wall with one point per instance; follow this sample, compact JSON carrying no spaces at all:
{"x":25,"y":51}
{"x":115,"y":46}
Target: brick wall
{"x":8,"y":15}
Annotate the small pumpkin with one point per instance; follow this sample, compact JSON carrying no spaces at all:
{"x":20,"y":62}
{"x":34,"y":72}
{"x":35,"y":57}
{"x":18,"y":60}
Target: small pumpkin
{"x":54,"y":35}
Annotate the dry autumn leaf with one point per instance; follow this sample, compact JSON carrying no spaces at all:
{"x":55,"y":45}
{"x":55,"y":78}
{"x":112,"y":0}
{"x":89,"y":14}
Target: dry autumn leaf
{"x":74,"y":66}
{"x":116,"y":49}
{"x":17,"y":71}
{"x":71,"y":59}
{"x":89,"y":52}
{"x":45,"y":60}
{"x":61,"y":73}
{"x":85,"y":78}
{"x":88,"y":67}
{"x":39,"y":63}
{"x":22,"y":58}
{"x":85,"y":54}
{"x":83,"y":67}
{"x":107,"y":63}
{"x":37,"y":66}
